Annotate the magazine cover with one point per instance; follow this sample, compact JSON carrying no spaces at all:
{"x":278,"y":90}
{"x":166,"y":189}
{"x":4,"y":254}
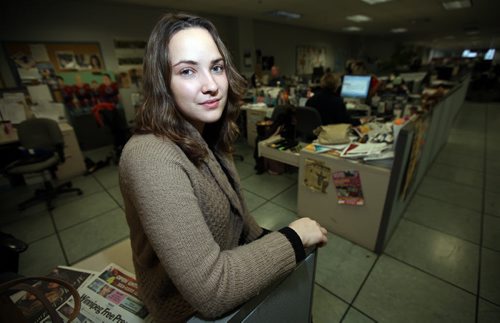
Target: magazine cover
{"x":348,"y":185}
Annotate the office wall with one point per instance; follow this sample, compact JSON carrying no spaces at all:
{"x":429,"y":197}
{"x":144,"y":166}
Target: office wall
{"x":281,"y":41}
{"x":102,"y":22}
{"x":93,"y":21}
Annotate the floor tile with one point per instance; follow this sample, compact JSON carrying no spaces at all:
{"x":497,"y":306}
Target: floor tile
{"x":9,"y":200}
{"x":41,"y":256}
{"x":116,"y":194}
{"x":449,"y":258}
{"x":490,"y":275}
{"x":355,"y":316}
{"x":273,"y":217}
{"x":493,"y":167}
{"x":457,"y":175}
{"x":395,"y":292}
{"x":83,"y":240}
{"x":491,"y":232}
{"x":107,"y":176}
{"x":492,"y":203}
{"x":461,"y":160}
{"x":87,"y":184}
{"x":78,"y":211}
{"x":342,"y":266}
{"x":488,"y":312}
{"x":327,"y":308}
{"x":31,"y":228}
{"x":493,"y":183}
{"x":267,"y":186}
{"x":452,"y":193}
{"x":244,"y":169}
{"x":287,"y":199}
{"x":253,"y":201}
{"x":448,"y":218}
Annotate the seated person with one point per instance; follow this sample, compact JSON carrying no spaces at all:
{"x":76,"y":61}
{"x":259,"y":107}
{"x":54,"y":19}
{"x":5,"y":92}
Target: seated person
{"x":330,"y":105}
{"x":276,"y":78}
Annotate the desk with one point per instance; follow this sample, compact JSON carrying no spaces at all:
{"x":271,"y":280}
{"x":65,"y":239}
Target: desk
{"x":74,"y":164}
{"x":287,"y":157}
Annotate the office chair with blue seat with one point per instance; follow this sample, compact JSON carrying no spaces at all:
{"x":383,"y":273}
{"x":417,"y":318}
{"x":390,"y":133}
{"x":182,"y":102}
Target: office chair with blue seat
{"x":44,"y":144}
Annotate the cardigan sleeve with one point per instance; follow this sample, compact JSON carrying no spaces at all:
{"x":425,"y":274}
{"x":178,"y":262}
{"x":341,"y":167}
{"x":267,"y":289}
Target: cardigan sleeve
{"x":212,"y":280}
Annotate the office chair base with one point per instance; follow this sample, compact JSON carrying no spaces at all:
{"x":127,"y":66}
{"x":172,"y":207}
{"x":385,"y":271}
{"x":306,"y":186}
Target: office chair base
{"x":48,"y":194}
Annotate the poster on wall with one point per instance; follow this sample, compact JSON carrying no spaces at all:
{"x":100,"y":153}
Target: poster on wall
{"x":316,"y":175}
{"x":348,"y":186}
{"x":309,"y":57}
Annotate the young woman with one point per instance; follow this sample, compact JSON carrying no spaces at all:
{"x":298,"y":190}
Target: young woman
{"x":196,"y":249}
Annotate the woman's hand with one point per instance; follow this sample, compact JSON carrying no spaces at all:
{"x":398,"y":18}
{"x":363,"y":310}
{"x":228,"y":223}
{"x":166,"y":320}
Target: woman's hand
{"x":310,"y":232}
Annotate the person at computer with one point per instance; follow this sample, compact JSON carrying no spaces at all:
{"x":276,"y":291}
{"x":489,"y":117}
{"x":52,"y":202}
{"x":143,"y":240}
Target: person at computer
{"x":330,"y":105}
{"x":196,"y":248}
{"x":276,"y":78}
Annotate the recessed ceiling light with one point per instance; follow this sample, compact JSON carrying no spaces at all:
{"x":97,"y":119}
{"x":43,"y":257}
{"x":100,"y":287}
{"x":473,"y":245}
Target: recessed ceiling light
{"x":399,"y":30}
{"x":285,"y":14}
{"x":358,"y":18}
{"x":456,"y":4}
{"x":352,"y":28}
{"x":375,"y":1}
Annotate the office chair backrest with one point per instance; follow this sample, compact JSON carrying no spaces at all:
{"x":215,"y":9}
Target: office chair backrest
{"x":307,"y":119}
{"x":41,"y":133}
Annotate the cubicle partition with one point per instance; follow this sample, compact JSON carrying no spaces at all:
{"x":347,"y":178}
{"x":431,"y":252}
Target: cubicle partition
{"x":288,"y":300}
{"x":419,"y":143}
{"x":385,"y":190}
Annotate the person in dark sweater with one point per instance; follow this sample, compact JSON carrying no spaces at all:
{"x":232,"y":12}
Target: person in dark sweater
{"x":330,"y":106}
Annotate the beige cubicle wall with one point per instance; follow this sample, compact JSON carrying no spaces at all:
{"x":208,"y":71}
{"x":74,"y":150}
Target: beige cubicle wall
{"x":359,"y":224}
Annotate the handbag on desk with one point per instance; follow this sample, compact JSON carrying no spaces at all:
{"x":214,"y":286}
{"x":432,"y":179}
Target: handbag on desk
{"x":11,"y":312}
{"x":333,"y":134}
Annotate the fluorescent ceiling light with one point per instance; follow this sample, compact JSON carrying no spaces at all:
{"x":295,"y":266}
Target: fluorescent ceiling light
{"x":358,"y":18}
{"x":472,"y":32}
{"x":286,"y":14}
{"x":456,"y":4}
{"x":352,"y":28}
{"x":449,"y":37}
{"x":375,"y":1}
{"x":399,"y":30}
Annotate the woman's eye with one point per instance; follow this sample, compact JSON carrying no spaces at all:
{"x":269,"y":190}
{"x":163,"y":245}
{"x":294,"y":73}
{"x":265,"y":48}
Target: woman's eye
{"x":187,"y":72}
{"x":218,"y":69}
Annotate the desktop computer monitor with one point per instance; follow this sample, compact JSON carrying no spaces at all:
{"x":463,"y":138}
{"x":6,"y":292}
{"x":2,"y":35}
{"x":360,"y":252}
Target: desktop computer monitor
{"x":355,"y":86}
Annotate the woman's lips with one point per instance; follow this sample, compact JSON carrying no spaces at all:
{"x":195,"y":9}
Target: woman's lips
{"x":211,"y":104}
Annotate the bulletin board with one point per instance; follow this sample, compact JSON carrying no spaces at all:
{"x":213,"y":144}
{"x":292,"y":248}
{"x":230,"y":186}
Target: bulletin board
{"x":63,"y":56}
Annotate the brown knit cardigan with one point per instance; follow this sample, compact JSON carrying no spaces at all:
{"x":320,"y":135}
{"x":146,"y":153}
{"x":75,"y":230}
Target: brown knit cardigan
{"x":185,"y":226}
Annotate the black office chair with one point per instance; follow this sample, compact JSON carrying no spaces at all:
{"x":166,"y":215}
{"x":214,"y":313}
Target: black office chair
{"x":44,"y":138}
{"x":307,"y":119}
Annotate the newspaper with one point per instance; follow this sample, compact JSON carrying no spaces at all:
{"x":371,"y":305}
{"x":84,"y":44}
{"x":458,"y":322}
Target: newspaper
{"x":33,"y":309}
{"x":106,"y":296}
{"x":109,"y":296}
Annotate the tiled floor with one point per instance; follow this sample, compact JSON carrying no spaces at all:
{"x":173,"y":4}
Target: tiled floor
{"x":441,"y":265}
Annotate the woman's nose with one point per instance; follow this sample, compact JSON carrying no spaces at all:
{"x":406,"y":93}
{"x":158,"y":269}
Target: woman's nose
{"x":209,"y":85}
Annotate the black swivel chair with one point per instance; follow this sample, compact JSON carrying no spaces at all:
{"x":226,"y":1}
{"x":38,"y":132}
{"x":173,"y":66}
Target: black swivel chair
{"x":44,"y":137}
{"x":307,"y":119}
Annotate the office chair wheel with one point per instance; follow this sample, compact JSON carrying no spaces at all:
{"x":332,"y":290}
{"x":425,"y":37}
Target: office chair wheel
{"x":79,"y":192}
